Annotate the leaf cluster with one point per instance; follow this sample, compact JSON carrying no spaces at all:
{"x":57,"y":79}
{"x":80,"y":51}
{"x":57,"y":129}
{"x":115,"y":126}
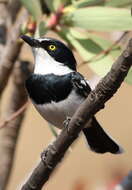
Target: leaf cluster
{"x":80,"y":23}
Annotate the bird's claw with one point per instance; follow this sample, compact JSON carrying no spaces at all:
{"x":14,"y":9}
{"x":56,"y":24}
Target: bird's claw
{"x":66,"y":122}
{"x":43,"y":155}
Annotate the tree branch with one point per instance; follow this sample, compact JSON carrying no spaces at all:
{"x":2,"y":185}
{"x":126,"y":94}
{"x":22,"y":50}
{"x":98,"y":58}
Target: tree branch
{"x":94,"y":102}
{"x":106,"y":51}
{"x":14,"y":115}
{"x":11,"y":50}
{"x":9,"y":135}
{"x":13,"y":7}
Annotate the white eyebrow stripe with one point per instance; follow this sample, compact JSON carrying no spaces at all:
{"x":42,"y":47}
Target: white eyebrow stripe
{"x":43,"y":39}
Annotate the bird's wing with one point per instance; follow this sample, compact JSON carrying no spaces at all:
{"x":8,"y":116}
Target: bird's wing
{"x":80,"y":84}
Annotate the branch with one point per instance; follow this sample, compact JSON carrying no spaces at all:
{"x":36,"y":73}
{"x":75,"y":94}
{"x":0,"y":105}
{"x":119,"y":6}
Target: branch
{"x":14,"y":115}
{"x":13,"y":8}
{"x":94,"y":102}
{"x":11,"y":51}
{"x":3,"y":26}
{"x":106,"y":51}
{"x":9,"y":135}
{"x":126,"y":183}
{"x":55,"y":18}
{"x":3,"y":1}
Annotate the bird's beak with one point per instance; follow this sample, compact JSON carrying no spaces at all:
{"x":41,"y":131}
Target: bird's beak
{"x":31,"y":41}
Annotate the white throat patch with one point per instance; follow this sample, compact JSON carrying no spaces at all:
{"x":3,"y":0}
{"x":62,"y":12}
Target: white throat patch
{"x":45,"y":64}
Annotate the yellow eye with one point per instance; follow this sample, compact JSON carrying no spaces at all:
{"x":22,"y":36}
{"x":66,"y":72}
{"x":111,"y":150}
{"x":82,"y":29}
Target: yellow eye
{"x":52,"y":47}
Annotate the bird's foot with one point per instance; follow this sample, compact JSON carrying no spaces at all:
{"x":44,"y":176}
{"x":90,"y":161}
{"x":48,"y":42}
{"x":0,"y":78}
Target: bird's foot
{"x":44,"y":157}
{"x":66,"y":122}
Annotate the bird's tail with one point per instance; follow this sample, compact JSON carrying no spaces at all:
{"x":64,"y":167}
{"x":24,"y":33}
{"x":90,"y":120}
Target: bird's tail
{"x":99,"y":141}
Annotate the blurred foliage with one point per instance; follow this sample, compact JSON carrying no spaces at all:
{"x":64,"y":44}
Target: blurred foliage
{"x":34,"y":7}
{"x":78,"y":22}
{"x":79,"y":185}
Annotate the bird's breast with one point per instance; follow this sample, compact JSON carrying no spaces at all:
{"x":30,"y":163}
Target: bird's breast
{"x":57,"y":112}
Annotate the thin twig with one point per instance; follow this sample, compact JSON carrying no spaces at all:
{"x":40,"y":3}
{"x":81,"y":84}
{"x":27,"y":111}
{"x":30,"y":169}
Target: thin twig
{"x":106,"y":51}
{"x":94,"y":102}
{"x":55,"y":18}
{"x":14,"y":115}
{"x":3,"y":1}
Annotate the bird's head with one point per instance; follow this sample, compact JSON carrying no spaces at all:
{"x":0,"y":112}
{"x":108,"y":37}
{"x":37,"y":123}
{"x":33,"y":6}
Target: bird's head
{"x":51,"y":56}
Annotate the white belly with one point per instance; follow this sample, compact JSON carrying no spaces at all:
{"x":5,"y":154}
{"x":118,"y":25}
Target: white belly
{"x":56,"y":113}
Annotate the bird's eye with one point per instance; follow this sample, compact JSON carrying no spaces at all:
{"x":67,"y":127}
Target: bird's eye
{"x":52,"y":47}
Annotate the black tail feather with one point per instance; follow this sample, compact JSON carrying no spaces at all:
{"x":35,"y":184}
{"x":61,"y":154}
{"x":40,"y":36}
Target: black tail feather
{"x":99,"y":141}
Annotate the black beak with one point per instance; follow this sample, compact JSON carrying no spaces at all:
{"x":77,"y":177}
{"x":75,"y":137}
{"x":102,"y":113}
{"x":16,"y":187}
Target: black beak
{"x":31,"y":41}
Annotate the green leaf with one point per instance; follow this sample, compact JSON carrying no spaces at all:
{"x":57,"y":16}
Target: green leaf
{"x":53,"y":5}
{"x":86,"y":3}
{"x":34,"y":7}
{"x":128,"y":79}
{"x":86,"y":47}
{"x":111,"y":3}
{"x":89,"y":45}
{"x":52,"y":128}
{"x":102,"y":65}
{"x":100,"y":19}
{"x":42,"y":28}
{"x":50,"y":5}
{"x":77,"y":43}
{"x":118,"y":3}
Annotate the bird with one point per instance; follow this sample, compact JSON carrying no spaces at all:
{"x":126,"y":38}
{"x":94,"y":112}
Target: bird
{"x":57,"y":89}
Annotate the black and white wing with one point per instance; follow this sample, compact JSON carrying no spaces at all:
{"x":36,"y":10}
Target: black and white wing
{"x":98,"y":140}
{"x":80,"y":84}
